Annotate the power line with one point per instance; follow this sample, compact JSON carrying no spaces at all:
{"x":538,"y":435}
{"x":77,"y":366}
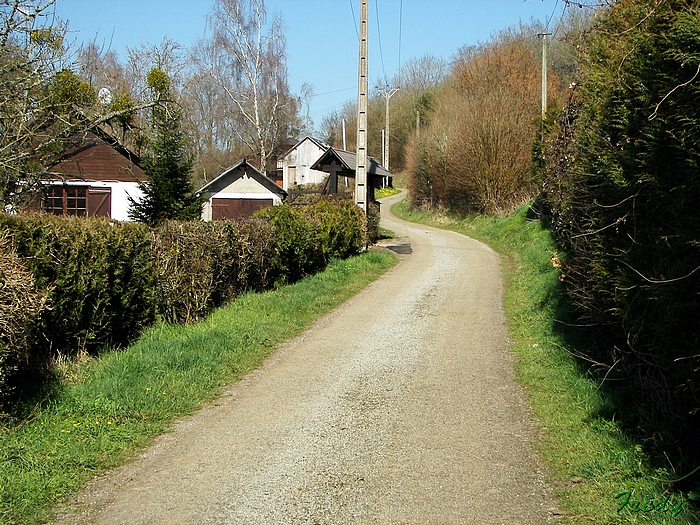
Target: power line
{"x":560,"y":21}
{"x":354,"y":20}
{"x":332,"y":92}
{"x":400,"y":29}
{"x":551,"y":16}
{"x":379,"y":33}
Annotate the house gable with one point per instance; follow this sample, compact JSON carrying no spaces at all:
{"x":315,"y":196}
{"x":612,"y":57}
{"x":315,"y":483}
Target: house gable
{"x":238,"y":192}
{"x":92,"y":158}
{"x":297,"y":162}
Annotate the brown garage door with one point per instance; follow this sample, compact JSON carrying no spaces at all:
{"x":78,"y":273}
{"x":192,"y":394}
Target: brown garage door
{"x":236,"y":208}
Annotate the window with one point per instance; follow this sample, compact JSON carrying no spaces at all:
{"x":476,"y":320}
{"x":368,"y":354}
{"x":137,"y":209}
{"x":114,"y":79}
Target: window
{"x":78,"y":201}
{"x":66,"y":200}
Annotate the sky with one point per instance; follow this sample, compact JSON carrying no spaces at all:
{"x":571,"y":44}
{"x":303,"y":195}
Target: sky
{"x":322,"y":37}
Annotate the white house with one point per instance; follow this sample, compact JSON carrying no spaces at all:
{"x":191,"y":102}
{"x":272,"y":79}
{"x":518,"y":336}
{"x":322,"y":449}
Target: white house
{"x":296,"y":164}
{"x":238,"y":192}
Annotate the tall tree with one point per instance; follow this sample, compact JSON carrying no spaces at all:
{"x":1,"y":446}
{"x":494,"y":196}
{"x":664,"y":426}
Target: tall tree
{"x":246,"y":56}
{"x":168,"y":192}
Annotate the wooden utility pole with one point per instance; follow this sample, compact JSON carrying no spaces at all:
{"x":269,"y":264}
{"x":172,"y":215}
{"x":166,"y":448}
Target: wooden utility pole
{"x":388,"y":93}
{"x":544,"y":73}
{"x":361,"y":160}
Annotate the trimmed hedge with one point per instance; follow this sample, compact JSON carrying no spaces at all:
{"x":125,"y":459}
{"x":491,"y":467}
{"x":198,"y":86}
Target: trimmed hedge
{"x":99,"y":278}
{"x":204,"y":265}
{"x":84,"y":284}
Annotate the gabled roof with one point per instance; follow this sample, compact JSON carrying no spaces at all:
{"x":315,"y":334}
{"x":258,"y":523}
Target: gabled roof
{"x":237,"y":171}
{"x":96,"y":154}
{"x":317,"y":142}
{"x":348,"y":160}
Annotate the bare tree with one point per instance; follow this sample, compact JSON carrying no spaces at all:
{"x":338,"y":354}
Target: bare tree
{"x":31,"y":54}
{"x":246,"y":56}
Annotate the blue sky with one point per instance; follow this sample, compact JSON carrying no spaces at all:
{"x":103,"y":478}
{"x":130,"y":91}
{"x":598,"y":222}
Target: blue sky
{"x":321,"y":34}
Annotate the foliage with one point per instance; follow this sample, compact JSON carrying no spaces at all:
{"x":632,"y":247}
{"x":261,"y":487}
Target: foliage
{"x":104,"y":282}
{"x":341,"y":227}
{"x":38,"y":101}
{"x":418,"y":82}
{"x":622,"y":188}
{"x":475,"y":155}
{"x":245,"y":56}
{"x":21,"y":304}
{"x":204,"y":265}
{"x":299,"y":252}
{"x":98,"y":277}
{"x":168,"y":192}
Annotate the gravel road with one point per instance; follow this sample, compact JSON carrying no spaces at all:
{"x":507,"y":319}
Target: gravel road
{"x":399,"y":407}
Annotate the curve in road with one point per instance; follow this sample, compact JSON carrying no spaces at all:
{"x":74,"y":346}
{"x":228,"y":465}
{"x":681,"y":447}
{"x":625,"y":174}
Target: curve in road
{"x":399,"y":407}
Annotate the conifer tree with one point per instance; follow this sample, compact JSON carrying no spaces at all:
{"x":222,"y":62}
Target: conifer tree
{"x":167,"y":191}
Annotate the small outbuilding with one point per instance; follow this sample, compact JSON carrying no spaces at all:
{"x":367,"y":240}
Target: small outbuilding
{"x":296,"y":164}
{"x":239,"y":192}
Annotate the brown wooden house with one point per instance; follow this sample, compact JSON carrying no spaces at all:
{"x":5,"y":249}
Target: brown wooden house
{"x":93,"y":177}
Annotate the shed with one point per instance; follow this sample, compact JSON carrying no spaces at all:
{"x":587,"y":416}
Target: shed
{"x":340,"y":163}
{"x":93,"y":177}
{"x":296,"y":163}
{"x":238,"y":192}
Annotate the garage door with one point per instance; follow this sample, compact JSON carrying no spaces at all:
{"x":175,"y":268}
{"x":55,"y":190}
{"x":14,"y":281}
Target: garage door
{"x":236,"y":208}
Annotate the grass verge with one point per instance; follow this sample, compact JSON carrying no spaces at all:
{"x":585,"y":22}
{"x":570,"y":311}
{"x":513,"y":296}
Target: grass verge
{"x":600,"y":474}
{"x":107,"y":408}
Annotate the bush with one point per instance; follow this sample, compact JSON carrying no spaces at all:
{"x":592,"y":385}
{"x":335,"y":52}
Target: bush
{"x":104,"y":281}
{"x":341,"y":226}
{"x":98,"y":277}
{"x":20,"y":307}
{"x":204,"y":265}
{"x":299,"y":246}
{"x":622,"y":187}
{"x":475,"y":156}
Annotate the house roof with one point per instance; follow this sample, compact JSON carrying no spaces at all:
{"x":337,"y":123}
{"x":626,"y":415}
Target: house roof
{"x":317,"y":142}
{"x":348,"y":160}
{"x":235,"y":172}
{"x":96,"y":155}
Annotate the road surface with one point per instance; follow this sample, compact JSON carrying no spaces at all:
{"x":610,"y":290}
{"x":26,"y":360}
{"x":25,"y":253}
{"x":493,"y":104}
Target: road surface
{"x":399,"y":407}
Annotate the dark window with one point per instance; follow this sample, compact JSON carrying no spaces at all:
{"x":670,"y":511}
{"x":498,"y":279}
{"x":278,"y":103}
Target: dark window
{"x":66,"y":200}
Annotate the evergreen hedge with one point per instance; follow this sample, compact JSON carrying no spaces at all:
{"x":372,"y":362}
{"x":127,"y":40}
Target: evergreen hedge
{"x":622,"y":186}
{"x":74,"y":285}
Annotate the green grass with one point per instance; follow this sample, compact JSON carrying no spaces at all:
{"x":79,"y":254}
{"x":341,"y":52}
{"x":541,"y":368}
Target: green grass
{"x":590,"y":457}
{"x":107,"y":408}
{"x":385,"y":192}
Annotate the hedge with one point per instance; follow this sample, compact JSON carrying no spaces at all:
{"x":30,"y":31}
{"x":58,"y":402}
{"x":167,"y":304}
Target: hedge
{"x":74,"y":285}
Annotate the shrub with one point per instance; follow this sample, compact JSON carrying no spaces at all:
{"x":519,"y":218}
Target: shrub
{"x":20,"y":307}
{"x":204,"y":265}
{"x":623,"y":187}
{"x":299,"y":246}
{"x":98,"y":277}
{"x":341,"y":226}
